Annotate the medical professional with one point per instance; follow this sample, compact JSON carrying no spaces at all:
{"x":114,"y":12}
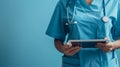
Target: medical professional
{"x":82,"y":20}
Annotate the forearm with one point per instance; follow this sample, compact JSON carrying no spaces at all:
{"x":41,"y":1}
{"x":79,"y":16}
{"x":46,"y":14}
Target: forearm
{"x":116,"y":44}
{"x":59,"y":45}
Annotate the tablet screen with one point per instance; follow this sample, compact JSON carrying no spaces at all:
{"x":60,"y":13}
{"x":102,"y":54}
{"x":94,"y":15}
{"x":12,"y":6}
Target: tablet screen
{"x":87,"y":43}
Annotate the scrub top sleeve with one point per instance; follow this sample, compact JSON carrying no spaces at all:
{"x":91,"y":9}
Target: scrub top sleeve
{"x":117,"y":25}
{"x":56,"y":27}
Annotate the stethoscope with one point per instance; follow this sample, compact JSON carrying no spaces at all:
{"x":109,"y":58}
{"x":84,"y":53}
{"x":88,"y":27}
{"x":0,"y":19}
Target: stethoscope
{"x":105,"y":18}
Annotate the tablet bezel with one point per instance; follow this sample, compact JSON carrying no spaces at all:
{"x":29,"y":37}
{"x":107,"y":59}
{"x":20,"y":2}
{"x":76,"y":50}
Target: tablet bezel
{"x":89,"y":41}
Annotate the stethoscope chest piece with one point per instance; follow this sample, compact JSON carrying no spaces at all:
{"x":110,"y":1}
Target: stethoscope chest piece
{"x":105,"y":19}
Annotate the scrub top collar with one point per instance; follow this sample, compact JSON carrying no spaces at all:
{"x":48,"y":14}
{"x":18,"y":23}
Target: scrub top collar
{"x":82,"y":4}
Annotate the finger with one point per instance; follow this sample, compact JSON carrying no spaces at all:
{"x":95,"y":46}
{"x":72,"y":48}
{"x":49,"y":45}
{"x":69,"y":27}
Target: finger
{"x":73,"y":48}
{"x":110,"y":49}
{"x":69,"y":43}
{"x":106,"y":38}
{"x":70,"y":49}
{"x":74,"y":51}
{"x":67,"y":54}
{"x":104,"y":47}
{"x":107,"y":50}
{"x":100,"y":45}
{"x":110,"y":45}
{"x":107,"y":47}
{"x":66,"y":46}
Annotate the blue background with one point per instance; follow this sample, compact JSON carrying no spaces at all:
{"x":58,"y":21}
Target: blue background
{"x":23,"y":42}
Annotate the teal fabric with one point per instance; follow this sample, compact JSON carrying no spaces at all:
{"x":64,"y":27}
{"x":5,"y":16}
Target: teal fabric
{"x":56,"y":27}
{"x":85,"y":22}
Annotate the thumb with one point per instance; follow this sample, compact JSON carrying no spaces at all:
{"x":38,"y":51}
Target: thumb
{"x":66,"y":46}
{"x":106,"y":38}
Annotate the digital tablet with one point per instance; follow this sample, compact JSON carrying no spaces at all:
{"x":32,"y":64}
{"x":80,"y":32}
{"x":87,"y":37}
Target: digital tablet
{"x":86,"y":43}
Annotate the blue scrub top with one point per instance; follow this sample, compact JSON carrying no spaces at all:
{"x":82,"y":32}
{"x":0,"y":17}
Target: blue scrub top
{"x":86,"y":23}
{"x":91,"y":26}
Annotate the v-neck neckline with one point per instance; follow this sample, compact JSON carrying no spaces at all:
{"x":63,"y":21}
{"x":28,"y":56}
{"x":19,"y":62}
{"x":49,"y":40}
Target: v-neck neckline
{"x":89,"y":2}
{"x":86,"y":4}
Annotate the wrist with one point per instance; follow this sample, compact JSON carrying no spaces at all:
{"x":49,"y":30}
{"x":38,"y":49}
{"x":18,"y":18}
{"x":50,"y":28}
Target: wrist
{"x":112,"y":45}
{"x":59,"y":47}
{"x":62,"y":49}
